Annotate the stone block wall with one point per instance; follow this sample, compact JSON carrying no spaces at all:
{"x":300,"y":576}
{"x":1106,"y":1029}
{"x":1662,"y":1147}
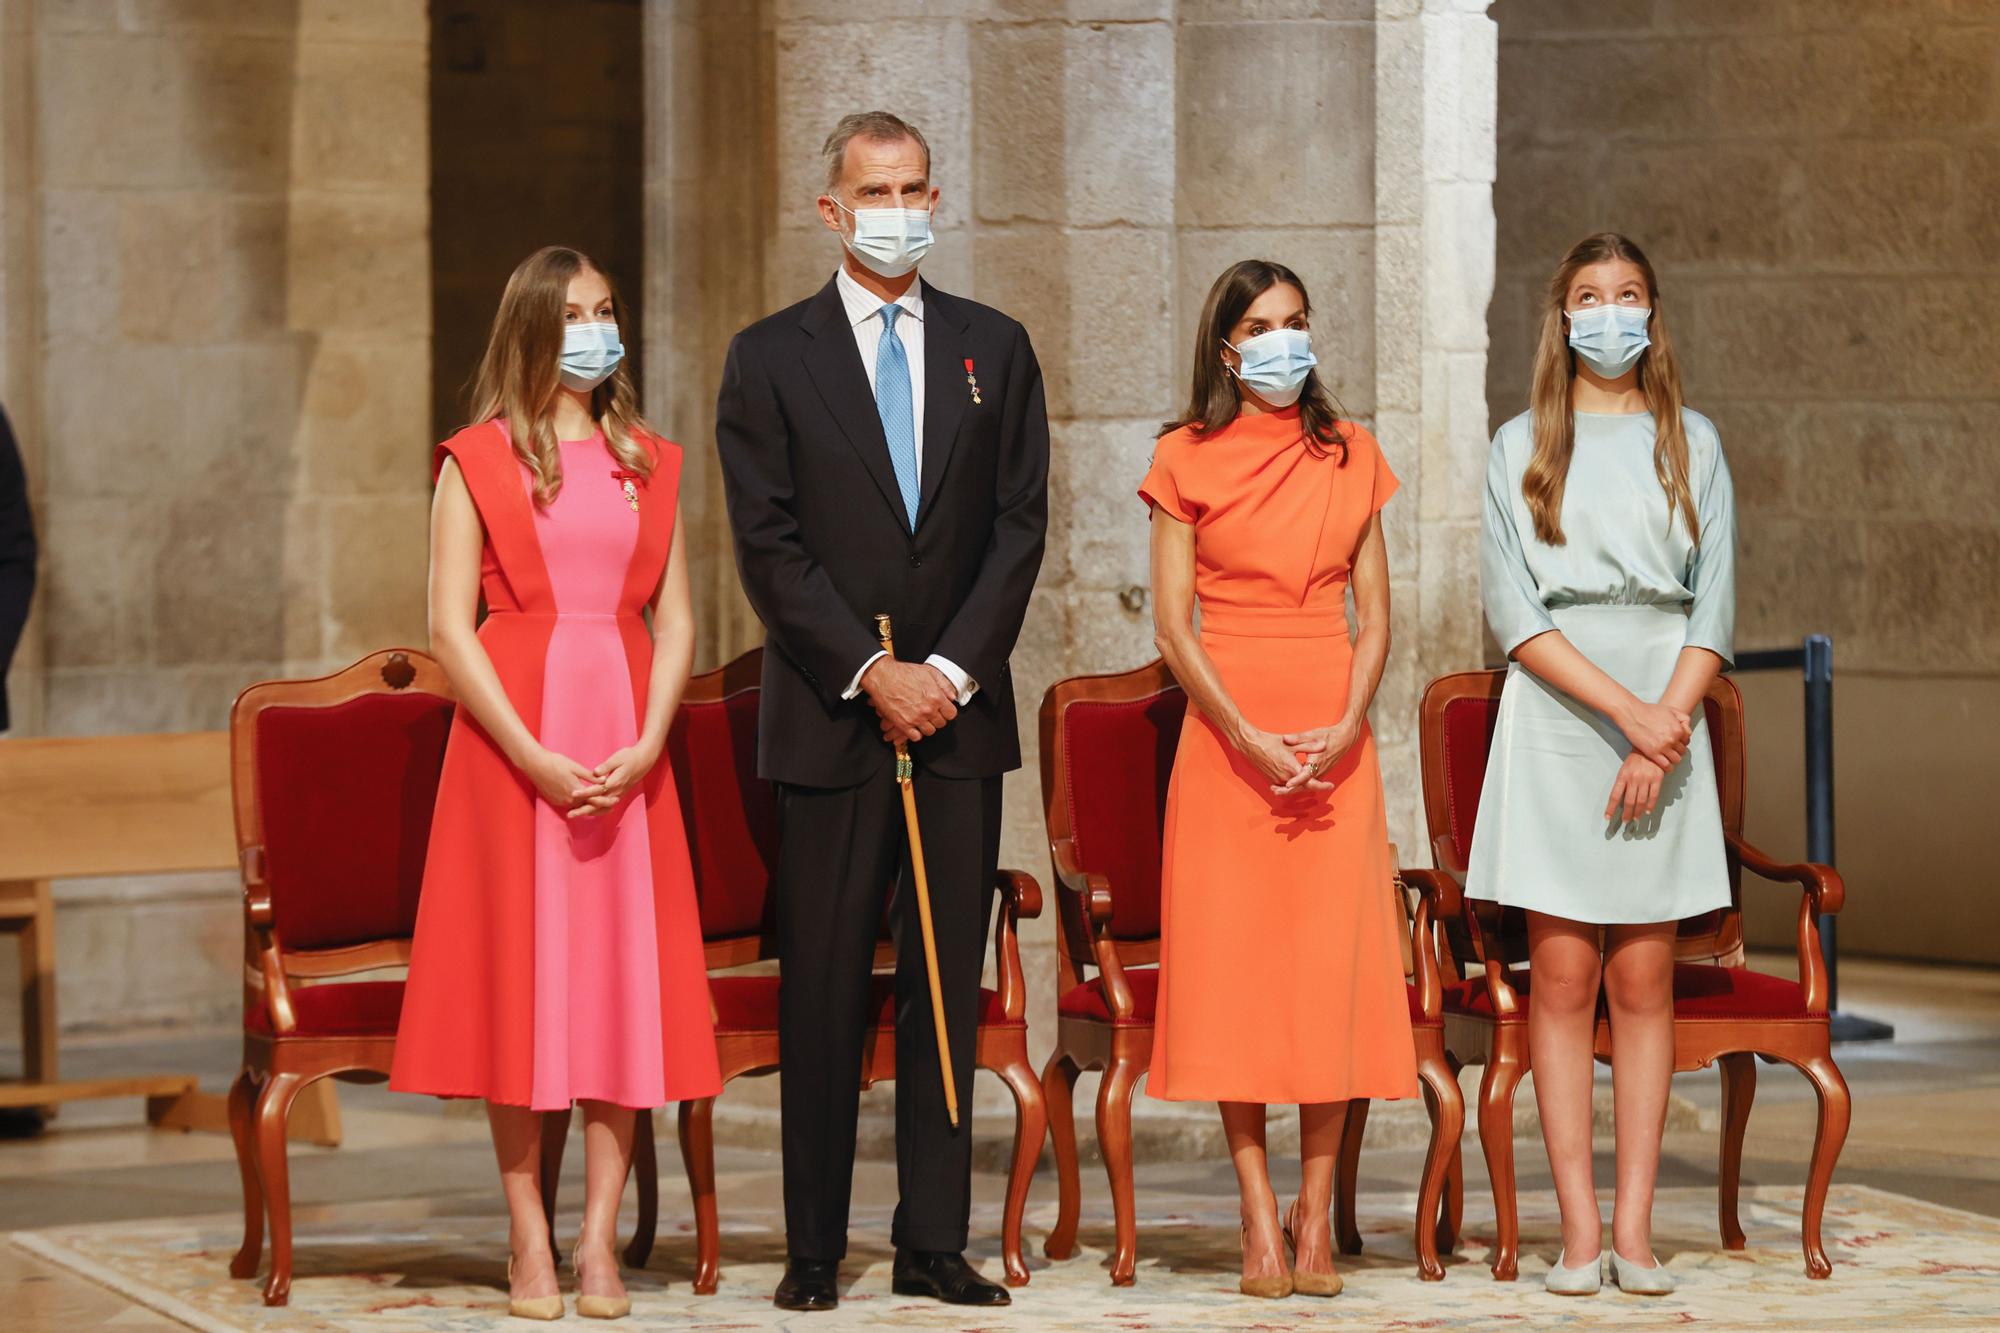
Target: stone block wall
{"x":1816,"y":183}
{"x":1100,"y":162}
{"x":218,"y":353}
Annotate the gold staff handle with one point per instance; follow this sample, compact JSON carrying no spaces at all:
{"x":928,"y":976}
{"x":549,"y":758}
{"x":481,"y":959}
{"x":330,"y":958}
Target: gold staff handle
{"x":905,"y":774}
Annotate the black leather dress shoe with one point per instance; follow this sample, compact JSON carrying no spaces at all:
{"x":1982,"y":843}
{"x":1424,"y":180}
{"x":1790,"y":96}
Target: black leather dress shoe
{"x":945,"y":1277}
{"x":808,"y":1284}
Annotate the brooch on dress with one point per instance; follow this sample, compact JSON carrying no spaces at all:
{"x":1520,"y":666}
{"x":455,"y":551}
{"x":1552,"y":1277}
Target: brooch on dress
{"x":629,"y":482}
{"x":972,"y":379}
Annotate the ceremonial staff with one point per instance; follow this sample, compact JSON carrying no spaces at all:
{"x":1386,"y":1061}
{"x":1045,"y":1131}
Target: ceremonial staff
{"x":905,"y":776}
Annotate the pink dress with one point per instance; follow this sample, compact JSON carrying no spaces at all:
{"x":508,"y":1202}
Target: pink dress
{"x":560,"y":959}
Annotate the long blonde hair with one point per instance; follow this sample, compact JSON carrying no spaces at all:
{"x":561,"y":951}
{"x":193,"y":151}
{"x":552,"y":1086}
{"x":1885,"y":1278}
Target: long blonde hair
{"x":1551,"y":413}
{"x":520,"y":372}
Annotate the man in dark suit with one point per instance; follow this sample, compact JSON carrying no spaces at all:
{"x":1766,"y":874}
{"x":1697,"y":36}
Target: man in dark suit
{"x":17,"y":556}
{"x":884,"y":446}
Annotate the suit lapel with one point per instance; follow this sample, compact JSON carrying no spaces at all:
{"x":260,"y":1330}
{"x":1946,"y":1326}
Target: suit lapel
{"x":834,"y":362}
{"x":945,"y":390}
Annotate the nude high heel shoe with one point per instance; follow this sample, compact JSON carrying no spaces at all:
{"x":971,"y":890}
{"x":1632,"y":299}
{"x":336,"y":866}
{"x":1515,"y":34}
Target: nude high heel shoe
{"x":1264,"y":1288}
{"x":1307,"y":1284}
{"x":531,"y":1307}
{"x":595,"y":1307}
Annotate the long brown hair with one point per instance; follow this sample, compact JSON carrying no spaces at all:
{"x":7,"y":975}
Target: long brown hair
{"x":1215,"y":399}
{"x":1552,"y":415}
{"x":520,"y":372}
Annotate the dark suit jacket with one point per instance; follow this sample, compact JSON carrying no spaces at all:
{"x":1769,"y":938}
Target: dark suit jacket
{"x":17,"y":555}
{"x":823,"y":543}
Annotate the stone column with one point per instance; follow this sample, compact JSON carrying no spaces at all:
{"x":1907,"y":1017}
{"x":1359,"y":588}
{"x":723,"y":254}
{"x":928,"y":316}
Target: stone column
{"x":1436,"y":62}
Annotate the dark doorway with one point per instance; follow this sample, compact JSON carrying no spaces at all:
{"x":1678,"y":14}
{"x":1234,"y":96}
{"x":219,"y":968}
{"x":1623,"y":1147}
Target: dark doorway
{"x":537,"y":138}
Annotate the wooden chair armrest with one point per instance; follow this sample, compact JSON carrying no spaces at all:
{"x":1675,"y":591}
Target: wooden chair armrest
{"x":1020,"y":889}
{"x":1423,"y":938}
{"x":1441,"y":891}
{"x":1092,"y":888}
{"x":264,"y":940}
{"x":1822,"y":884}
{"x":1822,"y":891}
{"x":1446,"y":857}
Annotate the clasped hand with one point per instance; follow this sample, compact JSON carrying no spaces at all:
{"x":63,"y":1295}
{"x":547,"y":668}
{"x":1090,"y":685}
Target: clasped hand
{"x":1295,"y":760}
{"x":912,"y":699}
{"x":580,"y":791}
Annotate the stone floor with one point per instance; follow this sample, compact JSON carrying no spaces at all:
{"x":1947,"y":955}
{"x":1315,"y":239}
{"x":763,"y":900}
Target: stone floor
{"x":1919,"y":1102}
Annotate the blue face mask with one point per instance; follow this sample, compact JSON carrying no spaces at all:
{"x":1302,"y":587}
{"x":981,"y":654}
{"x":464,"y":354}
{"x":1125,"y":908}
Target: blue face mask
{"x":1610,"y":337}
{"x":1275,"y":364}
{"x":590,"y":353}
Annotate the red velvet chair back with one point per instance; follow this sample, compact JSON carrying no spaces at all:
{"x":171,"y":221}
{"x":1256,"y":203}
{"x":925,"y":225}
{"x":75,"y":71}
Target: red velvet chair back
{"x":1458,"y":715}
{"x":1107,"y":754}
{"x":730,"y":813}
{"x":335,"y":779}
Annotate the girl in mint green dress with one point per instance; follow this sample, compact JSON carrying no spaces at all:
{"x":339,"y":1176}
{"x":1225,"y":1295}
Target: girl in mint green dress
{"x":1607,"y":568}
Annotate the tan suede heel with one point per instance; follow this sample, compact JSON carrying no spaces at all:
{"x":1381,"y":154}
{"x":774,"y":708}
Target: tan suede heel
{"x":533,"y":1307}
{"x":1307,"y":1284}
{"x":595,"y":1307}
{"x":1263,"y":1288}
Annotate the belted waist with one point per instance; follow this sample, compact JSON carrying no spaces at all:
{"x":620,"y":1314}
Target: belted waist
{"x":1275,"y":622}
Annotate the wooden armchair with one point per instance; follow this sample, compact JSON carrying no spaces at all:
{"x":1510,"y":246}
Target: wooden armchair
{"x":1440,"y":1192}
{"x":1107,"y":745}
{"x":732,"y":827}
{"x":333,"y":783}
{"x":1723,"y":1012}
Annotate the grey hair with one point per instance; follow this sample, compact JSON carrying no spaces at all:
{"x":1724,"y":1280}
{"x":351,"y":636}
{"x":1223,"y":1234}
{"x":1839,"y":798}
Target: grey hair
{"x":874,"y":126}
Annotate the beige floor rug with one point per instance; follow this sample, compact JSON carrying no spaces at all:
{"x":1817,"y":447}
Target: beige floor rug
{"x":1898,"y":1264}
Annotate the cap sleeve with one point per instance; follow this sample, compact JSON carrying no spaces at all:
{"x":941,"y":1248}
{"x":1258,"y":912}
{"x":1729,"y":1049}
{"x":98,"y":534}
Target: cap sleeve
{"x":1383,"y":484}
{"x":1161,"y":487}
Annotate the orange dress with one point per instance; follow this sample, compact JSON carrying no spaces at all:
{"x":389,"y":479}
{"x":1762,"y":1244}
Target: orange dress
{"x":1281,"y":979}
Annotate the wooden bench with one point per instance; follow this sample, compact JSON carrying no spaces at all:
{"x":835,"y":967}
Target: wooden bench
{"x":111,"y":805}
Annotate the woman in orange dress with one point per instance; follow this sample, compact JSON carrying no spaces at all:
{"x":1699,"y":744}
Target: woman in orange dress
{"x":1281,"y":979}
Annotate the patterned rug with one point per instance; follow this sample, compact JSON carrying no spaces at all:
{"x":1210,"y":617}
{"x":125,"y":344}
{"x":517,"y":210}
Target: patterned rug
{"x":1898,"y":1264}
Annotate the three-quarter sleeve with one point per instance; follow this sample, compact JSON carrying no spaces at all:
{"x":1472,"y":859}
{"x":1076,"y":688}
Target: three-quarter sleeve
{"x":1160,"y":489}
{"x":1712,"y":568}
{"x":1506,"y":585}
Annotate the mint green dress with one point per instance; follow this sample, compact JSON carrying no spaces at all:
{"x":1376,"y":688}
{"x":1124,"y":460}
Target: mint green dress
{"x":1629,"y":590}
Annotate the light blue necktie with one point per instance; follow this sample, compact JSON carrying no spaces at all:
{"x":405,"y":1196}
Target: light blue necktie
{"x":894,"y":402}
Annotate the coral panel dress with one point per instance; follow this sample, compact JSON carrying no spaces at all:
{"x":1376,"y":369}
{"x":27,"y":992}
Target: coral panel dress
{"x":1281,"y":979}
{"x":556,"y":959}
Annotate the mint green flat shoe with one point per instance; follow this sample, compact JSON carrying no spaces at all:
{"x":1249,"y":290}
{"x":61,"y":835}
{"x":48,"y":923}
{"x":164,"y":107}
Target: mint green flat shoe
{"x":1628,"y":1276}
{"x":1582,"y":1281}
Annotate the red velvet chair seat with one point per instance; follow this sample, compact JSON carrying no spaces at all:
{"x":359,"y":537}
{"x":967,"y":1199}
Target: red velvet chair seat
{"x":1088,"y":1000}
{"x":337,"y":1009}
{"x":1702,"y":991}
{"x":750,"y":1004}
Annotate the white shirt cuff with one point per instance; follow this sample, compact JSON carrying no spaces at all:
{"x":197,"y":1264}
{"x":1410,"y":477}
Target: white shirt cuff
{"x":964,"y":684}
{"x":853,"y":689}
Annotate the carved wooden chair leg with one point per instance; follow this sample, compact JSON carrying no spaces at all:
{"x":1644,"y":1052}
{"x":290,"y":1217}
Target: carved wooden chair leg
{"x":1058,"y":1094}
{"x":1031,"y":1120}
{"x":1739,"y":1089}
{"x":1496,"y":1135}
{"x":646,"y":1166}
{"x":1114,"y":1138}
{"x":242,"y":1112}
{"x":1451,"y":1217}
{"x":1447,"y":1108}
{"x":697,"y":1136}
{"x":1835,"y":1106}
{"x":1346,"y":1170}
{"x":274,"y":1107}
